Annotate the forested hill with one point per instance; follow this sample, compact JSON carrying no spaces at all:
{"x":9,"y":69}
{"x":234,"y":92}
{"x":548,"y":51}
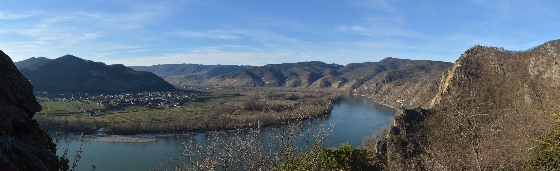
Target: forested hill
{"x":28,"y":62}
{"x":72,"y":74}
{"x":189,"y":72}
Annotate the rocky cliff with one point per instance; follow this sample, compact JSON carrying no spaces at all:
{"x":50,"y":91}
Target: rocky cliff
{"x":404,"y":83}
{"x":488,"y":113}
{"x":23,"y":144}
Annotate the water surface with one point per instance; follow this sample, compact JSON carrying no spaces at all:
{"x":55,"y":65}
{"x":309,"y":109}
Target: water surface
{"x":356,"y":117}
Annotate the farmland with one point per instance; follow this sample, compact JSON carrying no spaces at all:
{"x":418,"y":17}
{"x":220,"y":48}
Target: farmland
{"x":216,"y":109}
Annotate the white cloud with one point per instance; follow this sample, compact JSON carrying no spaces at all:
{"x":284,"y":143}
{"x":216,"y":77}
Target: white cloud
{"x":211,"y":34}
{"x":89,"y":36}
{"x":77,"y":39}
{"x":357,"y":28}
{"x":378,"y":5}
{"x":10,"y":15}
{"x":258,"y":38}
{"x":210,"y":57}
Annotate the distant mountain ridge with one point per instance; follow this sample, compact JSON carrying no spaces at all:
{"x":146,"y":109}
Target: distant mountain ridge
{"x":319,"y":74}
{"x":28,"y":62}
{"x":189,"y":72}
{"x":72,"y":74}
{"x":386,"y":81}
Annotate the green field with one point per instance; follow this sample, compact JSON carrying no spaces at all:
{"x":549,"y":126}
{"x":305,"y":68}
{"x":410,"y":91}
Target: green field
{"x":70,"y":110}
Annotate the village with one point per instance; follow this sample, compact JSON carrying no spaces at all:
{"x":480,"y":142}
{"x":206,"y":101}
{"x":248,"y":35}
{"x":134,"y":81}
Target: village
{"x":149,"y":100}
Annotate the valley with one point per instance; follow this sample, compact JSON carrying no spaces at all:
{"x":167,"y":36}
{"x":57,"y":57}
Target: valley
{"x":279,"y":85}
{"x":488,"y":110}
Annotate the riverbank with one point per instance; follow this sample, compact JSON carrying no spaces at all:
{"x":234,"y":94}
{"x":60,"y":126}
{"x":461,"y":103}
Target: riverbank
{"x":121,"y":138}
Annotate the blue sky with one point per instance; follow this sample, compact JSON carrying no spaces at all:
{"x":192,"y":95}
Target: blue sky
{"x":243,"y":32}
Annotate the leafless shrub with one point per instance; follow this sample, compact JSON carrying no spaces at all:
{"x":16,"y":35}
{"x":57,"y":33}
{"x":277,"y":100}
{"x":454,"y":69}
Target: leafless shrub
{"x":370,"y":143}
{"x":63,"y":159}
{"x":252,"y":149}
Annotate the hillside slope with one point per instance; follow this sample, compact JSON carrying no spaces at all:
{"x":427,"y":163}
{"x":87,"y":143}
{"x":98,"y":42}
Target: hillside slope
{"x":410,"y":81}
{"x":358,"y":77}
{"x":386,"y":81}
{"x":490,"y":109}
{"x":73,"y":74}
{"x":190,"y":73}
{"x":28,"y":62}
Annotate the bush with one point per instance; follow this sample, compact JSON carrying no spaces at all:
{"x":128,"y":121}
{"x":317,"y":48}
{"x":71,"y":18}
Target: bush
{"x":255,"y":105}
{"x":245,"y":150}
{"x":343,"y":157}
{"x":547,"y":155}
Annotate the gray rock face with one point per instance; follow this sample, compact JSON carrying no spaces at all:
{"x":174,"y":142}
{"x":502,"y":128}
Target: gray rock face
{"x":16,"y":96}
{"x":23,"y":145}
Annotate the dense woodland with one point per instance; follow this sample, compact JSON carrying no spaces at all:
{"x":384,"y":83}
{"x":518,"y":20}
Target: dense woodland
{"x":70,"y":74}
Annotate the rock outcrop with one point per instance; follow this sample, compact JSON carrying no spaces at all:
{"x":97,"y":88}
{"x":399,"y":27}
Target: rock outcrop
{"x":488,"y":113}
{"x":23,"y":144}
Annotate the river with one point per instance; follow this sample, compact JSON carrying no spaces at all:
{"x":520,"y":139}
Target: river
{"x":355,"y":117}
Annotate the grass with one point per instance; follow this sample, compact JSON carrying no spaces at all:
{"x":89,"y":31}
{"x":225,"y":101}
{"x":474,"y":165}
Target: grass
{"x":68,"y":111}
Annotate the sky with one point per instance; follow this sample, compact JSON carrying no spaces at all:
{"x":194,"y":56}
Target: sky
{"x":257,"y":32}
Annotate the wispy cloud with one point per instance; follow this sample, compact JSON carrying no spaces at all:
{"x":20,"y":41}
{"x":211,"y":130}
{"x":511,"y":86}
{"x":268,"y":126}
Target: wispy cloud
{"x":259,"y":38}
{"x":379,"y":5}
{"x":84,"y":37}
{"x":356,"y":27}
{"x":380,"y":31}
{"x":11,"y":15}
{"x":212,"y":57}
{"x":382,"y":20}
{"x":211,"y":34}
{"x":53,"y":33}
{"x":356,"y":31}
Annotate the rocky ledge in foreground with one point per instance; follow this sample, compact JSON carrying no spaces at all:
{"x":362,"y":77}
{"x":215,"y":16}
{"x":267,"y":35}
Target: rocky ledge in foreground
{"x":23,"y":144}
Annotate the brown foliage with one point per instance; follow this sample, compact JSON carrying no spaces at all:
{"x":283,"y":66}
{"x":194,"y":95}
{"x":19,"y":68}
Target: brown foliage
{"x":489,"y":107}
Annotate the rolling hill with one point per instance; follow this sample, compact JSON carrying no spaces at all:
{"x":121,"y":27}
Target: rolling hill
{"x":72,"y":74}
{"x":192,"y":73}
{"x":386,"y":81}
{"x":319,"y":74}
{"x":28,"y":62}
